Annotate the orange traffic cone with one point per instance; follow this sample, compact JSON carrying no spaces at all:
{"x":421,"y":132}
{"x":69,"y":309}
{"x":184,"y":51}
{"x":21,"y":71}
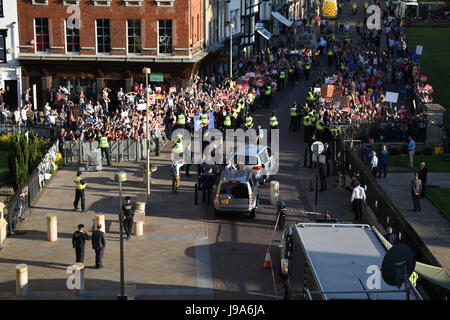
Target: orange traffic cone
{"x":267,"y":261}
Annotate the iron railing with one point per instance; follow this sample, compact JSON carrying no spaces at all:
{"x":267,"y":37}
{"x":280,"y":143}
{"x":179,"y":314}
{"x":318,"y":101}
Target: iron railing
{"x":351,"y":158}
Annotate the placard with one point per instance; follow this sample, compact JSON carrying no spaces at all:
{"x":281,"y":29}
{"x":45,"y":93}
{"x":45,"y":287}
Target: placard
{"x":151,"y":99}
{"x":419,"y":50}
{"x":141,"y":107}
{"x":172,"y":89}
{"x":391,"y":97}
{"x":158,"y":89}
{"x":124,"y":114}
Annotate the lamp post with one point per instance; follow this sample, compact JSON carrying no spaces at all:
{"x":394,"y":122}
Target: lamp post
{"x":147,"y":72}
{"x":121,"y":177}
{"x":230,"y":25}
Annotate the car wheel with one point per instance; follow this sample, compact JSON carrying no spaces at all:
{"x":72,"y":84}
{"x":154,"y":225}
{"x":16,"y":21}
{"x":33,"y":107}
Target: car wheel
{"x":252,"y":214}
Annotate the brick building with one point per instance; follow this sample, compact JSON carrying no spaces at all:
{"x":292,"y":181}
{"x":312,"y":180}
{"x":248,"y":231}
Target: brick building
{"x":93,"y":43}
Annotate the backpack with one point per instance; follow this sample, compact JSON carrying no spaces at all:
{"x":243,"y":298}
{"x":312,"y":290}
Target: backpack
{"x":173,"y":170}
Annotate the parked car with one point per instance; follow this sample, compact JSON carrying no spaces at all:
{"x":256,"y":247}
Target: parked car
{"x":258,"y":159}
{"x":237,"y":191}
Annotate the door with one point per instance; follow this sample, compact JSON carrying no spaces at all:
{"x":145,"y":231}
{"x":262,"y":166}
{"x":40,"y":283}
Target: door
{"x":10,"y":96}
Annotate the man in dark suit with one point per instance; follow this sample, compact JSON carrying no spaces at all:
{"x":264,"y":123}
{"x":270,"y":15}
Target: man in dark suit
{"x":416,"y":188}
{"x":98,"y":244}
{"x":79,"y":242}
{"x":389,"y":236}
{"x":208,"y":181}
{"x":423,"y":177}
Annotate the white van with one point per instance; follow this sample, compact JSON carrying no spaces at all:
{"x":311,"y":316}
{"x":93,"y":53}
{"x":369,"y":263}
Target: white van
{"x":260,"y":159}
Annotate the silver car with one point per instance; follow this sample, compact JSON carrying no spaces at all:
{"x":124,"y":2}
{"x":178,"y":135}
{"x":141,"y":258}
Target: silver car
{"x":237,"y":191}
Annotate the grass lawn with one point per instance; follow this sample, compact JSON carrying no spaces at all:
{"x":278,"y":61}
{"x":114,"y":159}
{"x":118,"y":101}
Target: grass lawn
{"x":439,"y":197}
{"x":434,"y":61}
{"x":434,"y":163}
{"x":3,"y":167}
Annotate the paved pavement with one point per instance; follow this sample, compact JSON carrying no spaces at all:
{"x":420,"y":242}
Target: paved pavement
{"x":169,"y":261}
{"x":430,"y":224}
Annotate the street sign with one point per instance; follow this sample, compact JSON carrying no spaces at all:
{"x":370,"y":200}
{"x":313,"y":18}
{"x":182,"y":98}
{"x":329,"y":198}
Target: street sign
{"x":317,"y":147}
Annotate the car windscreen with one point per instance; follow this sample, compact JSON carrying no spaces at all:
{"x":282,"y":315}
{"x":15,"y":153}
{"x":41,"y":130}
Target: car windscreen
{"x":236,"y":190}
{"x":246,"y":160}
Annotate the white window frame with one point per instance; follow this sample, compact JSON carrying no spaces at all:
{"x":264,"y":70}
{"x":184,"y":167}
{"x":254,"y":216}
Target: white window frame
{"x":39,"y":2}
{"x":102,"y":3}
{"x":134,"y":53}
{"x":96,"y":39}
{"x":35,"y":37}
{"x":133,"y":3}
{"x":173,"y":49}
{"x":65,"y":40}
{"x":164,"y":3}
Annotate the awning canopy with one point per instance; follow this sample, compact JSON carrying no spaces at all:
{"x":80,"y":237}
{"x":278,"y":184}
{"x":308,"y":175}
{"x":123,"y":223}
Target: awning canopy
{"x":282,"y":19}
{"x":264,"y":33}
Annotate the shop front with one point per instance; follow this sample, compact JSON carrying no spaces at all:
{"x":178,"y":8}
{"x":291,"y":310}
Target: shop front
{"x":92,"y":76}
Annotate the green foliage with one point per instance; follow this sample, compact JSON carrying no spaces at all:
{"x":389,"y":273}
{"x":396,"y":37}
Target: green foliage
{"x":5,"y":140}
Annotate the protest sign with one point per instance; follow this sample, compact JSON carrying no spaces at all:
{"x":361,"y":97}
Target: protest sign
{"x":391,"y":97}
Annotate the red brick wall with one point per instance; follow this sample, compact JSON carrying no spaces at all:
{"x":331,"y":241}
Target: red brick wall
{"x":149,"y":13}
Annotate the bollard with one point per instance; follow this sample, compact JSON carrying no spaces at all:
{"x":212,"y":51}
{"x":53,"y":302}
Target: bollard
{"x":196,"y":194}
{"x":274,"y":192}
{"x":306,"y":157}
{"x":78,"y":272}
{"x":140,"y":206}
{"x":21,"y":280}
{"x":100,"y":219}
{"x":52,"y":228}
{"x":130,"y":290}
{"x":138,"y":228}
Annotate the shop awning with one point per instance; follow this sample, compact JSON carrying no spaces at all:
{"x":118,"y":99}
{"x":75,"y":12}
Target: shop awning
{"x":282,"y":19}
{"x":264,"y":33}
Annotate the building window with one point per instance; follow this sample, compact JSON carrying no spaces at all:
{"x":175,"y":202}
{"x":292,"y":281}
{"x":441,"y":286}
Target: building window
{"x":134,"y":36}
{"x":3,"y":46}
{"x":73,"y":35}
{"x":165,"y":36}
{"x":164,"y":3}
{"x":42,"y":34}
{"x":103,"y":36}
{"x":1,"y":9}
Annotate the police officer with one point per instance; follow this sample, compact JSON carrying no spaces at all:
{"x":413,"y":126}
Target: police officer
{"x":273,"y":123}
{"x":79,"y":242}
{"x":294,"y":118}
{"x":320,"y":129}
{"x":80,"y":185}
{"x":366,"y":5}
{"x":282,"y":79}
{"x":128,"y":215}
{"x":291,"y":77}
{"x":227,"y":123}
{"x":358,"y":27}
{"x":181,"y":121}
{"x":330,"y":56}
{"x":267,"y":96}
{"x":104,"y":147}
{"x":341,"y":25}
{"x":307,"y":69}
{"x":178,"y":147}
{"x":204,"y":121}
{"x":307,"y":125}
{"x":248,"y":122}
